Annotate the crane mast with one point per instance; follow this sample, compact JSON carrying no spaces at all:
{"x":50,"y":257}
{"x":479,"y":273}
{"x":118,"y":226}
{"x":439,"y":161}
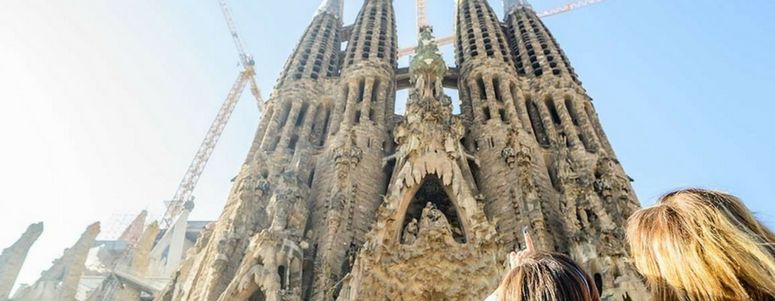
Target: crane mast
{"x":184,"y":193}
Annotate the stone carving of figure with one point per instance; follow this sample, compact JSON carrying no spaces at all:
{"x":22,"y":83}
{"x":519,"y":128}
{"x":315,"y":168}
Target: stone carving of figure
{"x":286,"y":207}
{"x":510,"y":156}
{"x":247,"y":184}
{"x":428,"y":67}
{"x":410,"y":232}
{"x":419,"y":86}
{"x":525,"y":154}
{"x":262,"y":186}
{"x":433,"y":218}
{"x":278,"y":211}
{"x":608,"y":183}
{"x":347,"y":154}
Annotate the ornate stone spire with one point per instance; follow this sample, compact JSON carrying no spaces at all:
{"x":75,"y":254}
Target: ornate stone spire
{"x":509,"y":5}
{"x":334,"y":7}
{"x":427,"y":68}
{"x":133,"y":232}
{"x":12,"y":258}
{"x":60,"y":282}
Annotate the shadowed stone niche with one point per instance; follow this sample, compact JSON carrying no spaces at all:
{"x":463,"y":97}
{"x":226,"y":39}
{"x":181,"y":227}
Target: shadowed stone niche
{"x":432,"y":209}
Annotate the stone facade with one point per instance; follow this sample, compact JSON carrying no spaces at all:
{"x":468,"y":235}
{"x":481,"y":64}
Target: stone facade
{"x":340,"y":199}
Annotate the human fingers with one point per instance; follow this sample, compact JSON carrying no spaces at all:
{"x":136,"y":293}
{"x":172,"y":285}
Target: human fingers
{"x":529,"y":245}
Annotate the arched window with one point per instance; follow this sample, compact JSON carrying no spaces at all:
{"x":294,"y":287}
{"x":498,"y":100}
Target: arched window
{"x":375,"y":92}
{"x":283,"y":273}
{"x":361,"y":89}
{"x":496,"y":87}
{"x":553,"y":111}
{"x":283,"y":117}
{"x":302,"y":113}
{"x":599,"y":282}
{"x":482,"y":89}
{"x":292,"y":143}
{"x":538,"y":125}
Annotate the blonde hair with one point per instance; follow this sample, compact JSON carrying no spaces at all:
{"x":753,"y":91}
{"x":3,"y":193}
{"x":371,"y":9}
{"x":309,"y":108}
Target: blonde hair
{"x":705,"y":245}
{"x":548,"y":277}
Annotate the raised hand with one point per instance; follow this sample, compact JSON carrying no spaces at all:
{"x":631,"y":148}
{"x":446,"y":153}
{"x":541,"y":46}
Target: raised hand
{"x":516,"y":258}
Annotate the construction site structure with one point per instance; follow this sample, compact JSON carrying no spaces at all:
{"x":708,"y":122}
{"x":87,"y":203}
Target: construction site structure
{"x":119,"y":270}
{"x":139,"y":263}
{"x":341,"y":199}
{"x":184,"y":194}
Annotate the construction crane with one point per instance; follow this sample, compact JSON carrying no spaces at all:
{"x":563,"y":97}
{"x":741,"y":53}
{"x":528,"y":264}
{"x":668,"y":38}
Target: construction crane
{"x":183,"y":197}
{"x":422,"y":20}
{"x":245,"y":60}
{"x":568,"y":7}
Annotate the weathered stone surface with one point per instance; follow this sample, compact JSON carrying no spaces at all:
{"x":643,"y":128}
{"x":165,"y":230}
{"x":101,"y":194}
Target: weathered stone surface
{"x":12,"y":258}
{"x":446,"y":249}
{"x":60,"y":282}
{"x":116,"y":287}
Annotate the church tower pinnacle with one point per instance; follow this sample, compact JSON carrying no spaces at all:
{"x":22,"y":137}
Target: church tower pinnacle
{"x":509,"y":5}
{"x":333,"y":7}
{"x":363,"y":114}
{"x":12,"y":258}
{"x":266,"y":211}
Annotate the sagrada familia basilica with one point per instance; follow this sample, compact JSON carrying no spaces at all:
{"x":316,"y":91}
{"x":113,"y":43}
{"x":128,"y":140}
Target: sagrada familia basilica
{"x":341,"y":199}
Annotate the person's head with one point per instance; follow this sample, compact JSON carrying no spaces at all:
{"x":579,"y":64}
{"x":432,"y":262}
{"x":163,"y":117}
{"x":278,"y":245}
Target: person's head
{"x":548,"y":277}
{"x":697,"y":244}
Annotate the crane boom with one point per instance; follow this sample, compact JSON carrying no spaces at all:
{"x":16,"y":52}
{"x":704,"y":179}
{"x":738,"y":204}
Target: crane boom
{"x":568,"y":7}
{"x":245,"y":60}
{"x":443,"y":41}
{"x":184,"y":193}
{"x":185,"y":190}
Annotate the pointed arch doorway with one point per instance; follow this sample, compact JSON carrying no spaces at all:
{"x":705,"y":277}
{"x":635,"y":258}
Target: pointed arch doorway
{"x":431,"y":198}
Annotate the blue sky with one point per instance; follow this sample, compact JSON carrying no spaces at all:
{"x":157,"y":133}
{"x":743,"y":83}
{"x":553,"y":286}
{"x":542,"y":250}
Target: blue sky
{"x":104,"y":103}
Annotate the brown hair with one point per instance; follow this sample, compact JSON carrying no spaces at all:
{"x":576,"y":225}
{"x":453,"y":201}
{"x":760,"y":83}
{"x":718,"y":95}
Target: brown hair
{"x":705,"y":245}
{"x":548,"y":277}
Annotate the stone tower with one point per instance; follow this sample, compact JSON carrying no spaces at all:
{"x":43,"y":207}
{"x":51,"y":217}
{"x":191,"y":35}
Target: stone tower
{"x":12,"y":258}
{"x":60,"y":281}
{"x":341,"y":199}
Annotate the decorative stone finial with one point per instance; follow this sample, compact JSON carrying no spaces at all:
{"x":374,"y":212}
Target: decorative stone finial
{"x":12,"y":258}
{"x":427,"y":68}
{"x":509,"y":5}
{"x":334,"y":7}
